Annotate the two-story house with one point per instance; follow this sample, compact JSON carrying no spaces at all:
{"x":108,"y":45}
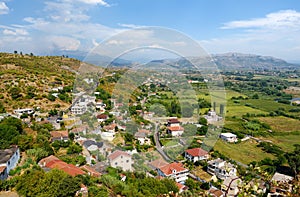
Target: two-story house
{"x":174,"y":171}
{"x":120,"y":159}
{"x":8,"y":160}
{"x":196,"y":154}
{"x":221,"y":168}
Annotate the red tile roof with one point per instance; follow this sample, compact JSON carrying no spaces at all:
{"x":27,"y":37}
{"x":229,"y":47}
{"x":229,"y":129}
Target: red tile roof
{"x":173,"y":120}
{"x":168,"y":169}
{"x":116,"y":154}
{"x":91,"y":171}
{"x":53,"y":162}
{"x":58,"y":134}
{"x":215,"y":192}
{"x":195,"y":152}
{"x":102,"y":116}
{"x":175,"y":128}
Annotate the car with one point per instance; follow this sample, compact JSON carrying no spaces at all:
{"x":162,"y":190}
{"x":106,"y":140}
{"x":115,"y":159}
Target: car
{"x":59,"y":119}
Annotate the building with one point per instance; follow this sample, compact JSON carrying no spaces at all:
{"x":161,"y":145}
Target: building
{"x":53,"y":162}
{"x":228,"y":137}
{"x":215,"y":192}
{"x":59,"y":135}
{"x":92,"y":145}
{"x":120,"y":159}
{"x":231,"y":185}
{"x":221,"y":168}
{"x":196,"y":154}
{"x":174,"y":171}
{"x":281,"y":185}
{"x":212,"y":117}
{"x":20,"y":112}
{"x":142,"y":138}
{"x":175,"y":131}
{"x":80,"y":130}
{"x":78,"y":109}
{"x":8,"y":160}
{"x":102,"y":117}
{"x":173,"y":122}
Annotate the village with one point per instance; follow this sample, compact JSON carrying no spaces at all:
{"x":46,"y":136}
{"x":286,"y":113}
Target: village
{"x":108,"y":136}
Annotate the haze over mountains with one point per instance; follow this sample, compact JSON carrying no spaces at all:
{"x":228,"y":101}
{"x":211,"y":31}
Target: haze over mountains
{"x":226,"y":61}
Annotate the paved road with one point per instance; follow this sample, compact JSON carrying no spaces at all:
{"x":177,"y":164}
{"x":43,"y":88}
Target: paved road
{"x":158,"y":145}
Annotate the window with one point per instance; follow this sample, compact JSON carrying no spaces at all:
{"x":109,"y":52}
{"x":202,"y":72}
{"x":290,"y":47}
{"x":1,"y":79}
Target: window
{"x":127,"y":161}
{"x":116,"y":163}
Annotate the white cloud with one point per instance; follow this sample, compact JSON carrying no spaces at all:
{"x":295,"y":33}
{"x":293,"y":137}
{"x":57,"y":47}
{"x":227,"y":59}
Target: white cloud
{"x":64,"y":43}
{"x":131,"y":26}
{"x":3,"y":8}
{"x":280,"y":19}
{"x":94,"y":2}
{"x":15,"y":32}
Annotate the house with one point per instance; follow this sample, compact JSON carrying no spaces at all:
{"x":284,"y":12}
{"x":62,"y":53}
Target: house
{"x":120,"y":159}
{"x":228,"y":137}
{"x":212,"y":117}
{"x":53,"y":162}
{"x":281,"y":184}
{"x":231,"y":185}
{"x":110,"y":128}
{"x":174,"y":171}
{"x":258,"y":186}
{"x":59,"y":135}
{"x":102,"y":117}
{"x":142,"y":138}
{"x":92,"y":145}
{"x":8,"y":160}
{"x":78,"y":130}
{"x":173,"y":122}
{"x":196,"y":154}
{"x":221,"y":168}
{"x":90,"y":171}
{"x":215,"y":192}
{"x":156,"y":164}
{"x":78,"y":109}
{"x":20,"y":112}
{"x":175,"y":131}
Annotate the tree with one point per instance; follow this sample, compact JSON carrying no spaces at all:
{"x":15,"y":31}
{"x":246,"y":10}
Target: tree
{"x":15,"y":92}
{"x":2,"y":109}
{"x":293,"y":159}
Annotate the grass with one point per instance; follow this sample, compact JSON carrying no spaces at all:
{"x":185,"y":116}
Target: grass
{"x":243,"y":152}
{"x":266,"y":105}
{"x":239,"y":110}
{"x":286,"y":142}
{"x":281,"y":123}
{"x":199,"y":172}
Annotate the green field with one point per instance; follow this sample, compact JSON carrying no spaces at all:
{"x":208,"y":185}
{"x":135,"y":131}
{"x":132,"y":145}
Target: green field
{"x":239,"y":110}
{"x":266,"y":105}
{"x":286,"y":142}
{"x":243,"y":152}
{"x":281,"y":123}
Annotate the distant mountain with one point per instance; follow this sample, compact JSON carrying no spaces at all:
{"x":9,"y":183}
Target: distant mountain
{"x":230,"y":61}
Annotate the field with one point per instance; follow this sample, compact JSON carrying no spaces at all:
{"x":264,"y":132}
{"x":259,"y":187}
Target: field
{"x":266,"y":105}
{"x":239,"y":110}
{"x":286,"y":142}
{"x":243,"y":152}
{"x":281,"y":123}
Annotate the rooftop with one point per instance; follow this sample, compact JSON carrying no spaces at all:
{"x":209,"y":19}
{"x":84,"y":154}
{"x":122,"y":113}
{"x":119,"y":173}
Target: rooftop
{"x":169,"y":168}
{"x":118,"y":153}
{"x":59,"y":134}
{"x":175,"y":128}
{"x":173,"y":120}
{"x":196,"y":152}
{"x":6,"y":154}
{"x":229,"y":135}
{"x":281,"y":177}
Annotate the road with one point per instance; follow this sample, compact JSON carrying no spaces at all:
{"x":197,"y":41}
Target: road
{"x":157,"y":144}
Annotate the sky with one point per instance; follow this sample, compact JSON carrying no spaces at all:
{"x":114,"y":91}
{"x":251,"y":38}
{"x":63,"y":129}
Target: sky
{"x":268,"y":27}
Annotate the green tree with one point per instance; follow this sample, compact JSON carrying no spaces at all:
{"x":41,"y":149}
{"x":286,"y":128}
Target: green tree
{"x":15,"y":92}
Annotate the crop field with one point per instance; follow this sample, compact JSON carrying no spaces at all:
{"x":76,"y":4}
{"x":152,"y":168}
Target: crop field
{"x":286,"y":142}
{"x":239,"y":110}
{"x":266,"y":105}
{"x":281,"y":123}
{"x":243,"y":152}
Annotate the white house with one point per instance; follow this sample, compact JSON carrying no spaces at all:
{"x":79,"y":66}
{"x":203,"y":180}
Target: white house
{"x":142,"y":138}
{"x":221,"y":168}
{"x":228,"y":137}
{"x":121,"y":159}
{"x":20,"y":112}
{"x":8,"y":160}
{"x":174,"y":171}
{"x":196,"y":154}
{"x":175,"y":131}
{"x":231,"y":185}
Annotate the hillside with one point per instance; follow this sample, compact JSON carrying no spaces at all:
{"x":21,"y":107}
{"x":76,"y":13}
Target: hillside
{"x":28,"y":80}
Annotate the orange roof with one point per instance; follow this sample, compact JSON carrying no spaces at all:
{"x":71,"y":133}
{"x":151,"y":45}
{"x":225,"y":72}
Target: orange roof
{"x":110,"y":127}
{"x":53,"y":162}
{"x":180,"y":186}
{"x":175,"y":128}
{"x":215,"y":192}
{"x":196,"y":152}
{"x":58,"y":134}
{"x":168,"y":169}
{"x":158,"y":163}
{"x":91,"y":171}
{"x":144,"y":131}
{"x":2,"y":168}
{"x":116,"y":154}
{"x":102,"y":116}
{"x":173,"y":120}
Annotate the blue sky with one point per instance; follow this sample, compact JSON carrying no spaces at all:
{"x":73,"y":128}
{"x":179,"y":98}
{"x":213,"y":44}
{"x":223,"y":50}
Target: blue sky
{"x":67,"y":26}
